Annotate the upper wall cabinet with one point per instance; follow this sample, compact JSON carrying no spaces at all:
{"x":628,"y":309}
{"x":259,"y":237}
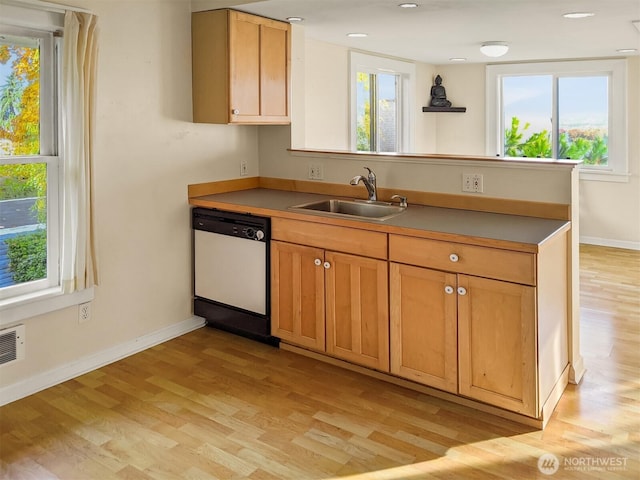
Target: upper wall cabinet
{"x":241,"y":68}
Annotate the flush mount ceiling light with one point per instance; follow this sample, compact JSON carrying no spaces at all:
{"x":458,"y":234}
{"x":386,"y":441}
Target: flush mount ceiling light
{"x":408,"y":5}
{"x":578,"y":14}
{"x":356,"y":35}
{"x":494,"y":49}
{"x":295,"y":19}
{"x":626,"y":50}
{"x":457,"y":59}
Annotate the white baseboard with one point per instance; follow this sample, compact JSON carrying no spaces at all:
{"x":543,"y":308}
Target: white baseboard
{"x":86,"y":364}
{"x":607,"y":242}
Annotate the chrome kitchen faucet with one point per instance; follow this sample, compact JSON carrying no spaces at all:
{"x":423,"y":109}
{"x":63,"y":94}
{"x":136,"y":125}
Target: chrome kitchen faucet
{"x":369,"y":181}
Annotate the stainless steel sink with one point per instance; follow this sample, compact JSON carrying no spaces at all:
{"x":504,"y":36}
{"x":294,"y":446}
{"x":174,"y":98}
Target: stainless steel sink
{"x":352,"y":208}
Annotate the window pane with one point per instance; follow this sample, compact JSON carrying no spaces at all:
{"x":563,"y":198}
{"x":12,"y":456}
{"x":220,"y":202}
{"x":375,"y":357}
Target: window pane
{"x":23,"y":217}
{"x":583,"y":119}
{"x":363,"y":112}
{"x":23,"y":186}
{"x":19,"y":95}
{"x":527,"y":109}
{"x":387,"y":113}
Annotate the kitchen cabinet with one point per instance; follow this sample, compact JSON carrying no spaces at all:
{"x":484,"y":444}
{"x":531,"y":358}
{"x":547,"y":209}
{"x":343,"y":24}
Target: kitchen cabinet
{"x":297,"y":295}
{"x":423,"y":326}
{"x":497,"y":343}
{"x":326,"y":298}
{"x":511,"y":347}
{"x":357,"y":318}
{"x":241,"y":68}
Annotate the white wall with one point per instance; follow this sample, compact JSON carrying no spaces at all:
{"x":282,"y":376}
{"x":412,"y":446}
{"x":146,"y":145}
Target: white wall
{"x":324,"y":123}
{"x":326,"y":96}
{"x":609,"y":211}
{"x":425,"y":130}
{"x":462,"y":133}
{"x":146,"y":153}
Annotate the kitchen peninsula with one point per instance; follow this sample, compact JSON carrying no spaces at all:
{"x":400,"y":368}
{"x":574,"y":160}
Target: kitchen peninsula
{"x":471,"y":306}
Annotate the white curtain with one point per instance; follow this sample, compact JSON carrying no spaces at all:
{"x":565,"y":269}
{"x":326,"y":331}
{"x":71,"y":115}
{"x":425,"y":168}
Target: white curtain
{"x":79,"y":65}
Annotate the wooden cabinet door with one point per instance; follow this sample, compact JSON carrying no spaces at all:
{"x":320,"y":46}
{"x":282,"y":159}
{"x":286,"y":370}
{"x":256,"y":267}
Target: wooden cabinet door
{"x":497,"y":343}
{"x":244,"y":66}
{"x":259,"y":66}
{"x":297,"y":294}
{"x":357,"y":318}
{"x":424,"y":332}
{"x":274,"y":70}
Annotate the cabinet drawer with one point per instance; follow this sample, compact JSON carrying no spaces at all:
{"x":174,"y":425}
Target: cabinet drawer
{"x":330,"y":237}
{"x":486,"y":262}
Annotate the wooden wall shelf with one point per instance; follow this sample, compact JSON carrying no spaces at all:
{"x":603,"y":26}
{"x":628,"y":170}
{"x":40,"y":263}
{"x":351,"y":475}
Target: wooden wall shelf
{"x":444,"y":109}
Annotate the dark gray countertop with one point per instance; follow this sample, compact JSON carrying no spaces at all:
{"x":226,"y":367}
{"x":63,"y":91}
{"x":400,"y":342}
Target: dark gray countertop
{"x":447,"y":221}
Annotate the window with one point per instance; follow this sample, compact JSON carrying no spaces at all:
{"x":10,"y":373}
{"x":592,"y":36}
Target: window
{"x":573,"y":110}
{"x":377,"y":112}
{"x":380,"y":103}
{"x":46,"y":129}
{"x":28,"y":162}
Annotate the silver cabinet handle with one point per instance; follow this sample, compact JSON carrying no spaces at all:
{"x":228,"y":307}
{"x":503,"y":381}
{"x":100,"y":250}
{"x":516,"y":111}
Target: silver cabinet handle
{"x":448,"y":290}
{"x":318,"y":262}
{"x":453,"y":257}
{"x":235,"y":111}
{"x":327,"y":265}
{"x":462,"y":291}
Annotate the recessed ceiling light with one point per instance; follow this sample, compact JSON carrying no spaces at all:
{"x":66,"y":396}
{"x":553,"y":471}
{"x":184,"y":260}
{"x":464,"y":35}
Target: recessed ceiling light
{"x":626,"y":50}
{"x":356,"y":35}
{"x":457,"y":59}
{"x":578,"y":14}
{"x":408,"y":5}
{"x":295,"y":19}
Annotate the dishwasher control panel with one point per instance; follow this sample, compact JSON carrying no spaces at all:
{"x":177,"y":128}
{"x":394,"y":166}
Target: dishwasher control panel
{"x":232,"y":224}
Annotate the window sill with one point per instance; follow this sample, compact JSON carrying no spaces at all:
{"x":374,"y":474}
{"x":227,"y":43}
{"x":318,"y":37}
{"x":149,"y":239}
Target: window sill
{"x":596,"y":176}
{"x":45,"y":301}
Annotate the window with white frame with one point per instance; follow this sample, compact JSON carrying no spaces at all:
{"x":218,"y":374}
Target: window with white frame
{"x":46,"y":156}
{"x":380,"y":113}
{"x":566,"y":110}
{"x":29,"y":162}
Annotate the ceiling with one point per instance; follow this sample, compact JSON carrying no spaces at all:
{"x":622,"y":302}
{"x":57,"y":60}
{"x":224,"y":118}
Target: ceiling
{"x":438,"y":30}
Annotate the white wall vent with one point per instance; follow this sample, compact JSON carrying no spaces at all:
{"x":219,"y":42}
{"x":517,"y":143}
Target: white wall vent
{"x":11,"y":344}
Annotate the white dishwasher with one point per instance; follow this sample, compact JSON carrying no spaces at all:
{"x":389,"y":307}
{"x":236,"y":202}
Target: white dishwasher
{"x":231,"y":272}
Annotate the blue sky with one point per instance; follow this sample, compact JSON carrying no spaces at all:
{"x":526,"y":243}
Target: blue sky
{"x":5,"y":70}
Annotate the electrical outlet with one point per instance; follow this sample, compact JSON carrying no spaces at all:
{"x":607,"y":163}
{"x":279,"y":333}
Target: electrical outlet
{"x":467,"y":182}
{"x":244,"y":169}
{"x":472,"y":182}
{"x":315,"y":171}
{"x":477,"y":183}
{"x":84,"y":312}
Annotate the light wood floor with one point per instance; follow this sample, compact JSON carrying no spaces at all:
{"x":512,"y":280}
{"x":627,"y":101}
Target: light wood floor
{"x":211,"y":405}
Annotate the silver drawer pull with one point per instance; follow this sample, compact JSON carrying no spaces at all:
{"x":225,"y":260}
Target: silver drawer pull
{"x":453,"y":257}
{"x":327,"y":265}
{"x":448,"y":290}
{"x":318,"y":262}
{"x":462,"y":291}
{"x":235,"y":111}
